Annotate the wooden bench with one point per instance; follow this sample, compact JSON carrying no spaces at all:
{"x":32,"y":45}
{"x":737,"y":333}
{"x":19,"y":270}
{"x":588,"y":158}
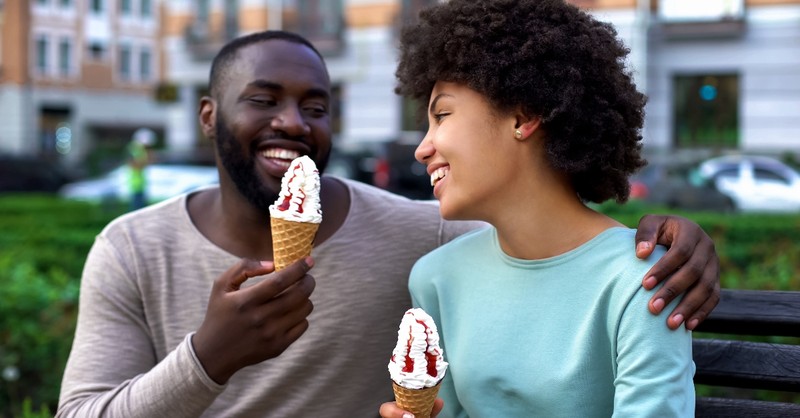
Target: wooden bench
{"x":744,"y":364}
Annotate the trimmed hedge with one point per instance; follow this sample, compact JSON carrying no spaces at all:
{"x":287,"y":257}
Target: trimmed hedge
{"x":45,"y":240}
{"x":43,"y":245}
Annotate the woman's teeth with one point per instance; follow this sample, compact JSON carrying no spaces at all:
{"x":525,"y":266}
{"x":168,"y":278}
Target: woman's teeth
{"x":439,"y":174}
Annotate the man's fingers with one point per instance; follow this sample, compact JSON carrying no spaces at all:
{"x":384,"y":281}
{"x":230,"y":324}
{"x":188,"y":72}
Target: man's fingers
{"x":702,"y":313}
{"x":246,"y":268}
{"x":699,"y":301}
{"x":647,"y":233}
{"x":677,"y":257}
{"x":279,"y":281}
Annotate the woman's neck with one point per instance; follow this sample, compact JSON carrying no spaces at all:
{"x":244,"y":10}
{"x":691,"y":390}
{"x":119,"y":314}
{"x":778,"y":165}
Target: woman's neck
{"x":546,"y":221}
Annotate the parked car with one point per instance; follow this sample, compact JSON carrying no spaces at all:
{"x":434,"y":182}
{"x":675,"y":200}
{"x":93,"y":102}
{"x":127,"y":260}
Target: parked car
{"x":755,"y":183}
{"x":163,"y":181}
{"x":20,"y":174}
{"x":678,"y":186}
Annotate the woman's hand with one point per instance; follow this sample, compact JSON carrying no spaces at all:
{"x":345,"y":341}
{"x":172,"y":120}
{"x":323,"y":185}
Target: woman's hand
{"x":690,"y":265}
{"x":390,"y":410}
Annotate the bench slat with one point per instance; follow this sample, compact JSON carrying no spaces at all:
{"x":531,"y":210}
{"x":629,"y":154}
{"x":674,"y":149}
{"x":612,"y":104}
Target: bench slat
{"x":755,"y":312}
{"x":735,"y":408}
{"x":747,"y":364}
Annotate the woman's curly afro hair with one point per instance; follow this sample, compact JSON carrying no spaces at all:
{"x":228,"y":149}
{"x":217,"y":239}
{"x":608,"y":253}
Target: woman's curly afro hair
{"x":549,"y":59}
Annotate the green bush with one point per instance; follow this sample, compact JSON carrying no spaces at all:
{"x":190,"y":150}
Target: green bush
{"x":45,"y":240}
{"x":43,"y":246}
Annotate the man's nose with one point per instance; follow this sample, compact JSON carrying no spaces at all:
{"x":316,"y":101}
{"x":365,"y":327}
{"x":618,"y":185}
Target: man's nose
{"x":291,"y":121}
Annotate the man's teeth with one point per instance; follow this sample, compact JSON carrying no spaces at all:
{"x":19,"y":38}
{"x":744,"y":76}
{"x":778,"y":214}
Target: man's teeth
{"x":282,"y":154}
{"x":439,"y":174}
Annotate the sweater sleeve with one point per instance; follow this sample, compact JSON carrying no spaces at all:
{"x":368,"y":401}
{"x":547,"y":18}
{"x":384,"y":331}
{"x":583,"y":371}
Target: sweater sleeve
{"x":112,"y":369}
{"x":654,"y":364}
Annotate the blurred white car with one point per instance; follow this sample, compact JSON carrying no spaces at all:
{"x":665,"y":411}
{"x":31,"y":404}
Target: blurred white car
{"x":755,"y":183}
{"x":163,"y":181}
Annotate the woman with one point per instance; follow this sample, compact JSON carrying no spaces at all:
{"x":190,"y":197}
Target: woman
{"x":532,"y":114}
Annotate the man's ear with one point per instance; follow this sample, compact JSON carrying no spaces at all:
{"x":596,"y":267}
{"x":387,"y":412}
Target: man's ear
{"x":208,"y":116}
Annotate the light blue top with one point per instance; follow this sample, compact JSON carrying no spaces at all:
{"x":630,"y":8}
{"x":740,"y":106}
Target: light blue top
{"x":567,"y":336}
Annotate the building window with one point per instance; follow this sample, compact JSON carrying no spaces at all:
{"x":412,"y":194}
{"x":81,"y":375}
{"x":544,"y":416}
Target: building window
{"x":706,"y":111}
{"x":125,"y":62}
{"x":96,"y":6}
{"x":125,"y":7}
{"x":145,"y":64}
{"x":65,"y":4}
{"x":64,"y":57}
{"x":321,"y":22}
{"x":97,"y":51}
{"x":41,"y":54}
{"x":146,"y":8}
{"x":42,"y":2}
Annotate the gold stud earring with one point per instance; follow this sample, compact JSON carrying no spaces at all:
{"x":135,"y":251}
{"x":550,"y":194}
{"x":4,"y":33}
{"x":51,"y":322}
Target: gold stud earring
{"x":518,"y":134}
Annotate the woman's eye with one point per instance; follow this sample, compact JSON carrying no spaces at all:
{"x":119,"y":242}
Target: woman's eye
{"x":439,"y":116}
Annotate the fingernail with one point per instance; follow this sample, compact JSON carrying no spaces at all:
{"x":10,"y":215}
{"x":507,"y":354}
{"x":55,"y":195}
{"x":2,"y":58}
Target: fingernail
{"x":650,"y":282}
{"x":265,"y":263}
{"x":408,"y":416}
{"x":309,"y":262}
{"x":658,"y":304}
{"x":693,"y":324}
{"x":677,"y":319}
{"x":642,"y":246}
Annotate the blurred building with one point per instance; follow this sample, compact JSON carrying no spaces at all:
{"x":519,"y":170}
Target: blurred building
{"x":77,"y":76}
{"x":724,"y":75}
{"x":720,"y":74}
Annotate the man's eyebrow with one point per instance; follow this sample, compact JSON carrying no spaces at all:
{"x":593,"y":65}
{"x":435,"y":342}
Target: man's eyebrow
{"x":271,"y":85}
{"x":436,"y":99}
{"x":264,"y":84}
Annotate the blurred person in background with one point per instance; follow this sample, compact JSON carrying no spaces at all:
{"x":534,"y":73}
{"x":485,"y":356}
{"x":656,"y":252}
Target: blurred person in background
{"x":139,"y":156}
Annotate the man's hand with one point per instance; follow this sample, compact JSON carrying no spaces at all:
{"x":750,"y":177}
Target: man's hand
{"x":691,"y":265}
{"x":250,"y":325}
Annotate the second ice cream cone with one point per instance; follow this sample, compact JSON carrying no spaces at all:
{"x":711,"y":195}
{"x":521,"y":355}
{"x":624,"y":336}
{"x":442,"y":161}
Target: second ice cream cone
{"x":291,"y":240}
{"x":417,"y":401}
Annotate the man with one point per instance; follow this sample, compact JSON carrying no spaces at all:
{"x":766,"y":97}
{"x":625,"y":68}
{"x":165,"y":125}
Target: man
{"x":178,"y":319}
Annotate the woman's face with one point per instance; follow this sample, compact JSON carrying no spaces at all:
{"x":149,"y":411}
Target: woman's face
{"x":468,"y":151}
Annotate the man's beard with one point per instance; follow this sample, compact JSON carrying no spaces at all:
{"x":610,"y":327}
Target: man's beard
{"x":241,"y":169}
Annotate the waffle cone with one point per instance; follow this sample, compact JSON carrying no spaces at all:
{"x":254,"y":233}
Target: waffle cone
{"x":417,"y":401}
{"x":291,"y":241}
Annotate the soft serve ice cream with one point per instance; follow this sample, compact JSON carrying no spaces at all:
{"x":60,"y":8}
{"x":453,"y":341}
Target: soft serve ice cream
{"x":296,"y":214}
{"x":417,"y":360}
{"x":299,"y":197}
{"x":417,"y":364}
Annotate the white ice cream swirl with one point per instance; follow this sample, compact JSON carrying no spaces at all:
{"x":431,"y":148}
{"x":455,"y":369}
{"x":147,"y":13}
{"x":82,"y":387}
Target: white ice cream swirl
{"x":299,"y":197}
{"x":417,"y":360}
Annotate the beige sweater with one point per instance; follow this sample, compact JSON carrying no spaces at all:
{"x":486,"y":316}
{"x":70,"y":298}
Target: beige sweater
{"x":144,"y":292}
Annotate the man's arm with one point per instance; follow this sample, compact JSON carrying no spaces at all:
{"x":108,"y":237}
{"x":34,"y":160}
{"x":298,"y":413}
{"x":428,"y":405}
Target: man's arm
{"x":690,"y":265}
{"x":112,"y":368}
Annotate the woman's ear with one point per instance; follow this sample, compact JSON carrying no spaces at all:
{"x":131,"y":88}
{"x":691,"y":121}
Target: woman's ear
{"x":208,"y":116}
{"x":528,"y":125}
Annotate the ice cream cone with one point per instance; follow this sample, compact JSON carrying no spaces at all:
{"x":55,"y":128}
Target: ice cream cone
{"x":417,"y":401}
{"x":291,"y":240}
